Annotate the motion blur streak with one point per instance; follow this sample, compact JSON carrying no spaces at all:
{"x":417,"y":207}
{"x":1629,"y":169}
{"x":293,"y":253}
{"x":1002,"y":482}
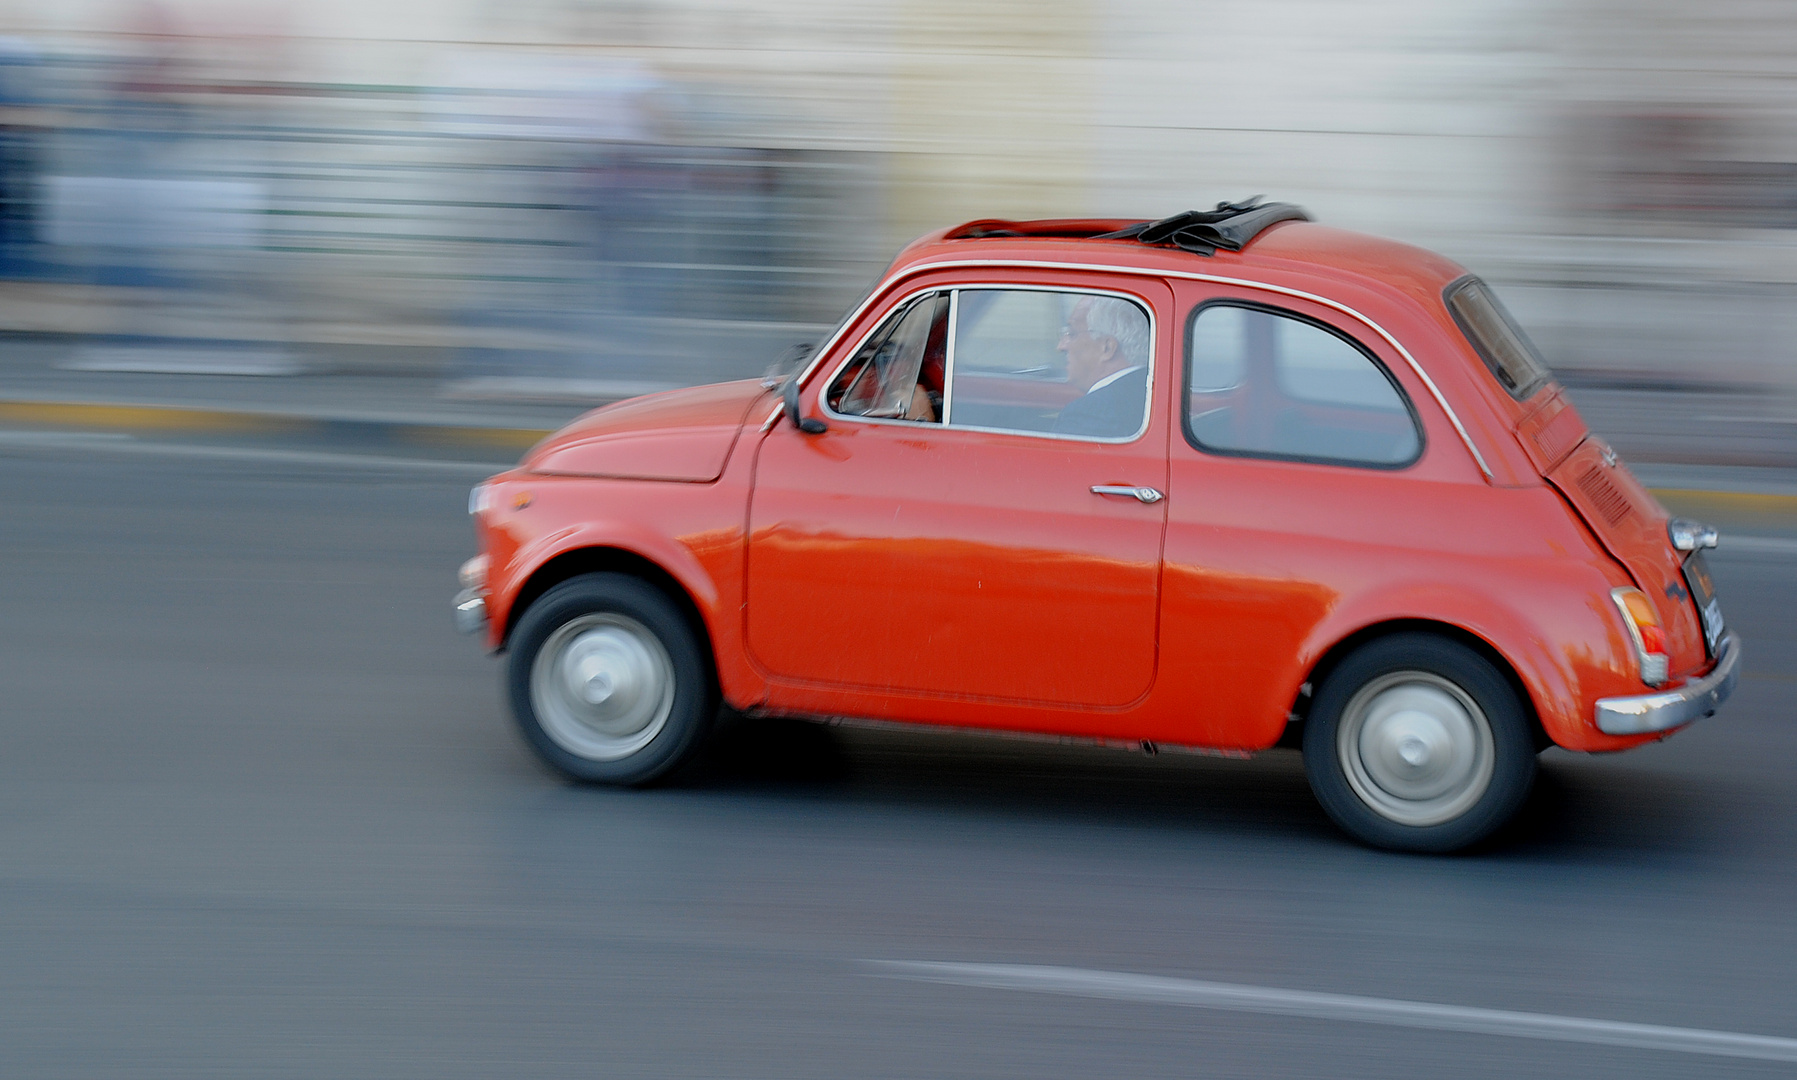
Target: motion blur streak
{"x":590,"y":198}
{"x":290,"y":276}
{"x":1157,"y":990}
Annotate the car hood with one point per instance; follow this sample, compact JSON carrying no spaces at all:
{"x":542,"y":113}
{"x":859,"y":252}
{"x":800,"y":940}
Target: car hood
{"x":682,"y":435}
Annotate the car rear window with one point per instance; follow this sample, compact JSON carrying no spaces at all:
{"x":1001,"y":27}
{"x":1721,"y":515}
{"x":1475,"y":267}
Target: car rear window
{"x":1505,"y":349}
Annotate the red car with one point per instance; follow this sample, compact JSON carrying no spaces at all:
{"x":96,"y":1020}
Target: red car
{"x":1225,"y":481}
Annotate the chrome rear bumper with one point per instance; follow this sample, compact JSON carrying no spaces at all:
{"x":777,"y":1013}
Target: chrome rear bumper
{"x":470,"y":611}
{"x":1667,"y":709}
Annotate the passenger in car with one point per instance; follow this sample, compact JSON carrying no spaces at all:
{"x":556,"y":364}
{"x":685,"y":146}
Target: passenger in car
{"x":1106,"y":342}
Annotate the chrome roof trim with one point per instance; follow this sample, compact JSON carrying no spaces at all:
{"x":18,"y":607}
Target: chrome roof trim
{"x":1215,"y":279}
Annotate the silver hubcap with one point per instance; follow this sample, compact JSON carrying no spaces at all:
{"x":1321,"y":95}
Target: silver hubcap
{"x":1416,"y":748}
{"x":602,"y":686}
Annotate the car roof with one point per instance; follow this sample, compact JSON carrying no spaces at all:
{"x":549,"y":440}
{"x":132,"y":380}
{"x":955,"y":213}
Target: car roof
{"x":1284,"y":249}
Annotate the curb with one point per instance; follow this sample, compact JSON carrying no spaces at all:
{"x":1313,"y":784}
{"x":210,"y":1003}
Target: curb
{"x":210,"y":421}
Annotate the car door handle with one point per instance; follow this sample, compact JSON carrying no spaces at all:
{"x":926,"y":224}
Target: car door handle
{"x":1140,"y":494}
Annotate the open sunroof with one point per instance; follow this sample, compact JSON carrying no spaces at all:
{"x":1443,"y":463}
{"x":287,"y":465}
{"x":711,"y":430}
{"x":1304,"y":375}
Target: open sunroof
{"x":1230,"y":226}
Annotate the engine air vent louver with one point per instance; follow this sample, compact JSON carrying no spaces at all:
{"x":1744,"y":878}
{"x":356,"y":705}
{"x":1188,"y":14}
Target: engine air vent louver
{"x":1610,"y":502}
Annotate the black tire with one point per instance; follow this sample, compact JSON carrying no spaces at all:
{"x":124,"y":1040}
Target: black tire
{"x":1406,"y":715}
{"x":608,"y":680}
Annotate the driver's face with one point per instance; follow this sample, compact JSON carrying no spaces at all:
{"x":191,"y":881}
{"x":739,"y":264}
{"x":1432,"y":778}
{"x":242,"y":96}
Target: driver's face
{"x":1087,"y":356}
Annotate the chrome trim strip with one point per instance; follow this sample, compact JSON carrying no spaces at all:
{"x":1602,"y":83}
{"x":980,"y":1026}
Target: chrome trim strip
{"x":1643,"y":713}
{"x":948,"y":357}
{"x":1032,"y":264}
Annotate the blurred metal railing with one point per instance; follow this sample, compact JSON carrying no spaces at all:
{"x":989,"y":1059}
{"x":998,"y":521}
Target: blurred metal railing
{"x":386,"y":215}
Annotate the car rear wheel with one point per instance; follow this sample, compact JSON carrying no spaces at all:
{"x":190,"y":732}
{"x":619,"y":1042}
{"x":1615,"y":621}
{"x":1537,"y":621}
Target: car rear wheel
{"x":608,"y":681}
{"x":1418,"y":743}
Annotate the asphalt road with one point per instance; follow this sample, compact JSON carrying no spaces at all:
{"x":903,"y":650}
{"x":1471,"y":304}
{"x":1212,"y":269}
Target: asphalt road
{"x":262,"y":813}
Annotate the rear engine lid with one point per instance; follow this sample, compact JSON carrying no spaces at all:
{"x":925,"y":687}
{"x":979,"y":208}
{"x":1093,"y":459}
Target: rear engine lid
{"x":1551,"y":430}
{"x":1631,"y":524}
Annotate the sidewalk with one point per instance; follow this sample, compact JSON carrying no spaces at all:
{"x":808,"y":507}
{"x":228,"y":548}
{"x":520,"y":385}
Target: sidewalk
{"x":254,"y":390}
{"x":257,"y":391}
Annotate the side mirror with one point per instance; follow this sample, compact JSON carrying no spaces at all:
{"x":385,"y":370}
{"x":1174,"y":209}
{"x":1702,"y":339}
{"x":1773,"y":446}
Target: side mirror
{"x":789,"y":393}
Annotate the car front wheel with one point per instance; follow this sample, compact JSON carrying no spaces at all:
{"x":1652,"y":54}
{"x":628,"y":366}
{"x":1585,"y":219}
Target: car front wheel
{"x":608,"y":681}
{"x":1418,"y":743}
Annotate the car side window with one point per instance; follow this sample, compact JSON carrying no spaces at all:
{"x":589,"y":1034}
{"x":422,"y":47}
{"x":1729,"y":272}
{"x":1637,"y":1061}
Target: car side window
{"x":897,"y":373}
{"x":1265,"y":383}
{"x":1047,"y":361}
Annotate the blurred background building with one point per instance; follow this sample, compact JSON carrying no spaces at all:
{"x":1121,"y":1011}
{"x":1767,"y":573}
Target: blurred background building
{"x":589,"y":198}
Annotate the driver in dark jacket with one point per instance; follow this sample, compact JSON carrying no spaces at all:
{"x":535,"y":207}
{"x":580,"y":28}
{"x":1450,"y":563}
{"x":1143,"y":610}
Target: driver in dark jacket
{"x":1106,"y":342}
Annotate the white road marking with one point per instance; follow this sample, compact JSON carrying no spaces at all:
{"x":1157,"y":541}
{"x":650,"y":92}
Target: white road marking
{"x":161,"y":360}
{"x":1235,"y":997}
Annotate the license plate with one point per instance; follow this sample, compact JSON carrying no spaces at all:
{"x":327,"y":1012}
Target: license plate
{"x":1703,"y":592}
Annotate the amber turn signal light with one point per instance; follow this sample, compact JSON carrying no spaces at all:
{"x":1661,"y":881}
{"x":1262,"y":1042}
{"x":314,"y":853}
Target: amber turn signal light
{"x":1649,"y":637}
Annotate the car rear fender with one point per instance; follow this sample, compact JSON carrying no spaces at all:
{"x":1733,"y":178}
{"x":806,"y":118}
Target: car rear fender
{"x":1517,"y":636}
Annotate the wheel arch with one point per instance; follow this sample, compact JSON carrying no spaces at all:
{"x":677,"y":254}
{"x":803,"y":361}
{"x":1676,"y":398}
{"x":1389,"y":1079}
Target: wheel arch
{"x":597,"y":559}
{"x":1345,"y":646}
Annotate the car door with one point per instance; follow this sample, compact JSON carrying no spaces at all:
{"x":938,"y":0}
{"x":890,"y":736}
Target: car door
{"x":941,"y":538}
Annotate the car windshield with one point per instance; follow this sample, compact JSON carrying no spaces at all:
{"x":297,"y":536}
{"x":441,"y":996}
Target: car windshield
{"x":1505,"y":349}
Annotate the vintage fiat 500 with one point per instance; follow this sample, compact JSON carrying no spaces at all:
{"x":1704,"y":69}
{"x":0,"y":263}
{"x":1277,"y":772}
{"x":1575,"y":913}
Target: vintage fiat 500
{"x":1226,"y":481}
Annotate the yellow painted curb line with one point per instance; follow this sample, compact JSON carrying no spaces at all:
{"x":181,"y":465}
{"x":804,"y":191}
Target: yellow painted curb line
{"x":500,"y":438}
{"x":145,"y":417}
{"x":224,"y":421}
